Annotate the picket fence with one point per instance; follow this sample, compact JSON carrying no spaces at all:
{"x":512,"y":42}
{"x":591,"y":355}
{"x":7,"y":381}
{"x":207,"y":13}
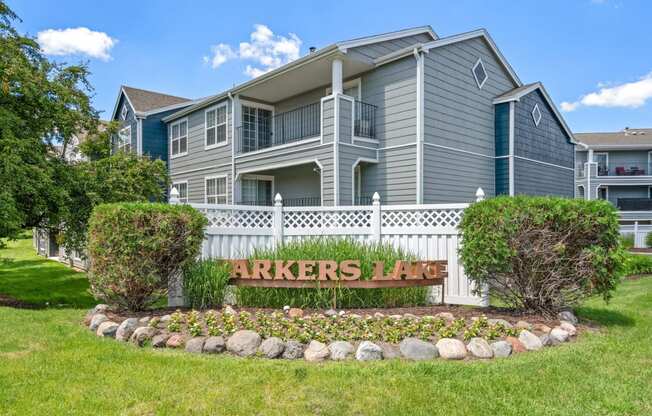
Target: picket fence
{"x":636,"y":224}
{"x":428,"y":231}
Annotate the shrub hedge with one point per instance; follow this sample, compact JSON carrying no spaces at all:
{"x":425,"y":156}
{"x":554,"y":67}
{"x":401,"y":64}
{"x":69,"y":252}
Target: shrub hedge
{"x":637,"y":264}
{"x":135,"y":248}
{"x":542,"y":253}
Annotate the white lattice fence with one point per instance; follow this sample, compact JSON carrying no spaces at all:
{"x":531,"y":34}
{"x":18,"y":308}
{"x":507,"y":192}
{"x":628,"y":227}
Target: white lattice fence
{"x":428,"y":231}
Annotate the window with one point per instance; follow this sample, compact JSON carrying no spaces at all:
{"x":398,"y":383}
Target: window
{"x":602,"y":159}
{"x":124,"y":112}
{"x":536,"y":115}
{"x":256,"y":128}
{"x":182,"y":188}
{"x":257,"y":190}
{"x":215,"y":126}
{"x":216,"y":190}
{"x":603,"y":193}
{"x":479,"y":73}
{"x":124,"y":139}
{"x":179,"y":138}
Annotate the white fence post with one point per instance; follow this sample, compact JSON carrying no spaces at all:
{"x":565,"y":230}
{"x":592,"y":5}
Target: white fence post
{"x":479,"y":195}
{"x":278,"y":220}
{"x":375,"y":218}
{"x":636,"y":243}
{"x":174,"y":195}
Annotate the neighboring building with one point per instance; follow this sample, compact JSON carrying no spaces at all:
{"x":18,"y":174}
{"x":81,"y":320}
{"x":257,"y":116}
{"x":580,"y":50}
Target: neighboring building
{"x":616,"y":167}
{"x":414,"y":117}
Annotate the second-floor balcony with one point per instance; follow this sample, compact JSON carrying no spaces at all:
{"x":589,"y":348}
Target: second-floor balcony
{"x":620,"y":169}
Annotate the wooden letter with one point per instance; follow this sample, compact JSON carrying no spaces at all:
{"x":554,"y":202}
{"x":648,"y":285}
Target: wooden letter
{"x":418,"y":271}
{"x":327,"y":269}
{"x":282,"y":270}
{"x":401,"y":268}
{"x":350,"y":270}
{"x":241,"y":269}
{"x":379,"y":271}
{"x":305,"y":270}
{"x":261,"y":269}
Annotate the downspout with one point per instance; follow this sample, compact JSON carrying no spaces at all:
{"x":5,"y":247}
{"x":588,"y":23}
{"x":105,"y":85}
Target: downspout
{"x":419,"y":128}
{"x":232,"y":147}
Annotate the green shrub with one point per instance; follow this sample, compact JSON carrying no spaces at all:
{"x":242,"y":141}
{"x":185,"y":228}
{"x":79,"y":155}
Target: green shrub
{"x":648,"y":240}
{"x":627,"y":241}
{"x":542,"y":254}
{"x":136,"y":248}
{"x":637,"y":264}
{"x":205,"y":283}
{"x":337,"y":250}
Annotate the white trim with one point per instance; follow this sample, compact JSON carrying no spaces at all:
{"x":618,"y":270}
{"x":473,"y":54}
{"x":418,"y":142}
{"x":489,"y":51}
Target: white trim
{"x":420,"y":124}
{"x":512,"y":180}
{"x":281,"y":146}
{"x":355,"y":164}
{"x":479,"y":83}
{"x":366,"y":140}
{"x":599,"y":147}
{"x":458,"y":150}
{"x":167,"y":108}
{"x":226,"y":187}
{"x":267,"y":178}
{"x":354,"y":43}
{"x":258,"y":106}
{"x":139,"y":136}
{"x":174,"y":185}
{"x":124,"y":112}
{"x":233,"y":107}
{"x":170,"y":126}
{"x":357,"y":146}
{"x":336,"y":149}
{"x":121,"y":91}
{"x":121,"y":144}
{"x":597,"y":191}
{"x":276,"y":166}
{"x":597,"y":165}
{"x":321,"y":181}
{"x":225,"y":123}
{"x":579,"y":185}
{"x":398,"y":146}
{"x":544,"y":163}
{"x":536,"y":110}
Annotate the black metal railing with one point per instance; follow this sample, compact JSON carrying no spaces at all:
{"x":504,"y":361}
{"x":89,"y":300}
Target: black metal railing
{"x":309,"y":201}
{"x":363,"y":200}
{"x":634,"y":204}
{"x":365,"y":120}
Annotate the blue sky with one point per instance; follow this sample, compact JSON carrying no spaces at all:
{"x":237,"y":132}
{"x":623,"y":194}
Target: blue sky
{"x":592,"y":55}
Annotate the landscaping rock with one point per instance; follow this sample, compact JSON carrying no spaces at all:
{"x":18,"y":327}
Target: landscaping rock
{"x":96,"y":320}
{"x":529,"y":340}
{"x":175,"y":341}
{"x":142,"y":334}
{"x":379,"y":315}
{"x":523,"y":325}
{"x":546,"y":340}
{"x":480,"y":348}
{"x":517,"y":346}
{"x":165,"y":319}
{"x":107,"y":329}
{"x":126,"y":329}
{"x":159,"y":340}
{"x":500,"y":321}
{"x":415,"y":349}
{"x":568,"y":316}
{"x":228,"y":310}
{"x":390,"y":351}
{"x":410,"y":316}
{"x":101,"y":308}
{"x":558,"y":335}
{"x":451,"y":349}
{"x":395,"y":317}
{"x":144,"y":320}
{"x":214,"y":345}
{"x":447,"y":316}
{"x":316,"y":351}
{"x":542,"y":327}
{"x":272,"y":347}
{"x":331,"y":312}
{"x":568,"y":327}
{"x":355,"y":316}
{"x":341,"y":350}
{"x":244,"y":343}
{"x":368,"y":351}
{"x":195,"y":345}
{"x":295,"y":313}
{"x":501,"y":349}
{"x":293,"y":350}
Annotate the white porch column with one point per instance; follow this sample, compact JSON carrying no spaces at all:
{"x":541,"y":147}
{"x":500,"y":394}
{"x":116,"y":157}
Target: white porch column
{"x":337,"y":76}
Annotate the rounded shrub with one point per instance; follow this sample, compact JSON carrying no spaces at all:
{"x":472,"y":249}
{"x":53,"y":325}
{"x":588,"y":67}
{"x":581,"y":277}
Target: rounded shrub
{"x":136,"y":248}
{"x":541,"y":254}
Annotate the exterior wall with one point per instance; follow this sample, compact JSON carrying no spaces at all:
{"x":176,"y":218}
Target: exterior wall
{"x":348,"y":156}
{"x":533,"y":178}
{"x":301,"y":100}
{"x":155,"y":136}
{"x":130,"y":120}
{"x":394,"y":177}
{"x":376,"y":50}
{"x":502,"y":148}
{"x":296,"y":182}
{"x":615,"y":192}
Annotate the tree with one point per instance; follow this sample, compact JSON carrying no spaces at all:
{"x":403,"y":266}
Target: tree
{"x":97,"y":144}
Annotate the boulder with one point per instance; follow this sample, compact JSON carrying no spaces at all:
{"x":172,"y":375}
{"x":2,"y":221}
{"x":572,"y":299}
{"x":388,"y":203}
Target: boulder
{"x":501,"y":349}
{"x":546,"y":340}
{"x":567,"y":316}
{"x":175,"y":341}
{"x":295,"y":313}
{"x":165,"y":319}
{"x":568,"y":327}
{"x":499,"y":321}
{"x":144,"y":320}
{"x":228,"y":310}
{"x":480,"y":348}
{"x":410,"y":316}
{"x":100,"y":308}
{"x":446,"y":316}
{"x":395,"y":317}
{"x":244,"y":343}
{"x":142,"y":335}
{"x":293,"y":350}
{"x":107,"y":329}
{"x":316,"y":351}
{"x":523,"y":325}
{"x":96,"y":320}
{"x":558,"y":335}
{"x":341,"y":350}
{"x":159,"y":340}
{"x":517,"y":346}
{"x":126,"y":329}
{"x":529,"y":340}
{"x":451,"y":349}
{"x":415,"y":349}
{"x":214,"y":345}
{"x":542,"y":328}
{"x":272,"y":347}
{"x":368,"y":351}
{"x":379,"y":315}
{"x":390,"y":351}
{"x":195,"y":345}
{"x":331,"y":312}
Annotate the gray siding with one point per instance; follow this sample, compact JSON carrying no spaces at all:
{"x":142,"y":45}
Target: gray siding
{"x":296,"y":182}
{"x":345,"y":120}
{"x":394,"y":177}
{"x":615,"y":192}
{"x":383,"y":48}
{"x":301,"y":100}
{"x":328,"y":121}
{"x":534,"y":178}
{"x":347,"y":157}
{"x":130,"y":120}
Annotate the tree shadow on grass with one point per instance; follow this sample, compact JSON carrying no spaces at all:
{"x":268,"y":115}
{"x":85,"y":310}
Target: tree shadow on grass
{"x":606,"y":317}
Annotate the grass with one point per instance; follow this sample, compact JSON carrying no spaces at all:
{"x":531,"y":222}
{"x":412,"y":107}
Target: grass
{"x":50,"y":364}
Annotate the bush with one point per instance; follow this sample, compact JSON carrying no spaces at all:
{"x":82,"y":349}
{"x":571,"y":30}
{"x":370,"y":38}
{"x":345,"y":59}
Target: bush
{"x":205,"y":283}
{"x":542,"y":254}
{"x":338,"y":250}
{"x":648,"y":240}
{"x":637,"y":264}
{"x":136,"y":248}
{"x":627,"y":241}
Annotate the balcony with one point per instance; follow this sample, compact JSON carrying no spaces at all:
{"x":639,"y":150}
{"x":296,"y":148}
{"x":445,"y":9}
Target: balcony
{"x":634,"y":204}
{"x":311,"y":201}
{"x":624,"y":168}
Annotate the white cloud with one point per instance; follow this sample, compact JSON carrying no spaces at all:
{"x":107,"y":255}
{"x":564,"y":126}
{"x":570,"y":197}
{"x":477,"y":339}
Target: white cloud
{"x":80,"y":40}
{"x":267,"y":51}
{"x":628,"y":95}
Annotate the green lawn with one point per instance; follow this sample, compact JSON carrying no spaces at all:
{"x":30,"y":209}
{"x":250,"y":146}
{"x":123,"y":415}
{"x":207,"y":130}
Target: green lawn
{"x":50,"y":364}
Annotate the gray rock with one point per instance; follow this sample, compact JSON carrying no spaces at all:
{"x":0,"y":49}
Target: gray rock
{"x":331,"y":312}
{"x":214,"y":345}
{"x":529,"y":340}
{"x":415,"y":349}
{"x":499,"y":321}
{"x":144,"y":320}
{"x":546,"y":340}
{"x":244,"y":343}
{"x":568,"y":327}
{"x":195,"y":345}
{"x":390,"y":351}
{"x":341,"y":350}
{"x":368,"y":351}
{"x":142,"y":335}
{"x":96,"y":320}
{"x":126,"y":329}
{"x":293,"y":350}
{"x":447,"y":316}
{"x":272,"y":347}
{"x":165,"y":318}
{"x":100,"y":308}
{"x":501,"y":349}
{"x":158,"y":341}
{"x":523,"y":325}
{"x":316,"y":351}
{"x":479,"y":348}
{"x":558,"y":335}
{"x":568,"y":316}
{"x":107,"y":329}
{"x":451,"y":349}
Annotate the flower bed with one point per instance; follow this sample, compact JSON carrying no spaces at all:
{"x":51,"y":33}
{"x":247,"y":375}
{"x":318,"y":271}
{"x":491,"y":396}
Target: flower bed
{"x":334,"y":335}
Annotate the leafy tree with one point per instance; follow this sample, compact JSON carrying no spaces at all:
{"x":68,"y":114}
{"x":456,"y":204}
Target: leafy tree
{"x":97,"y":144}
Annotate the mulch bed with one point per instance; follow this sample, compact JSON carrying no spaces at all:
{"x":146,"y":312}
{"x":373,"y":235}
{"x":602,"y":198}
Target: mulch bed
{"x":10,"y":302}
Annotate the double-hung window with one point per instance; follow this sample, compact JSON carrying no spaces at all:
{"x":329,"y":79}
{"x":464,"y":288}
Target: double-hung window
{"x":124,"y":139}
{"x":256,"y":128}
{"x":215,"y":190}
{"x":182,"y":188}
{"x":179,"y":138}
{"x":215,"y":119}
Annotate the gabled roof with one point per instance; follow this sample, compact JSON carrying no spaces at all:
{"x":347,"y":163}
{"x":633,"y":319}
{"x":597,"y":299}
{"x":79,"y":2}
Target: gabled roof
{"x":517,"y":93}
{"x":626,"y":138}
{"x":144,"y":101}
{"x":354,"y":43}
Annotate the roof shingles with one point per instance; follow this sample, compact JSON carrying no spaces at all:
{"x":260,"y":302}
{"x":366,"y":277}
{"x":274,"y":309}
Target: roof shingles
{"x":143,"y":100}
